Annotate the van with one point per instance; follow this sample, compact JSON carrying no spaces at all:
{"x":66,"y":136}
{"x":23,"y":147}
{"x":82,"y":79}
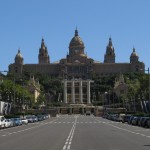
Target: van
{"x":2,"y":122}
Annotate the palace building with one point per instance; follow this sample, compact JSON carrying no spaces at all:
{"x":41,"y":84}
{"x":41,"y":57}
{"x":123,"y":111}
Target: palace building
{"x":77,"y":65}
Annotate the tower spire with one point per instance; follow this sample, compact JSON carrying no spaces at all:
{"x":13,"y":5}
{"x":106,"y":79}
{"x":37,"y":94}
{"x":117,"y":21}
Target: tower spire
{"x":76,"y":31}
{"x":43,"y":53}
{"x":133,"y":49}
{"x":109,"y":57}
{"x":110,"y":41}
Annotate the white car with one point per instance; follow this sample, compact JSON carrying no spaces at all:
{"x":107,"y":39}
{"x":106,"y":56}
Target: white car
{"x":24,"y":121}
{"x":7,"y":123}
{"x":2,"y":122}
{"x":11,"y":122}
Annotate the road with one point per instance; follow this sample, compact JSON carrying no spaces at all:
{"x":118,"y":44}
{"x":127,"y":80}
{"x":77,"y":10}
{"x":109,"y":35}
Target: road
{"x":75,"y":132}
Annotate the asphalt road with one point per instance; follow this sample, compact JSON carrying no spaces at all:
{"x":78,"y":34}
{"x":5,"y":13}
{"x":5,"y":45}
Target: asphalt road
{"x":75,"y":132}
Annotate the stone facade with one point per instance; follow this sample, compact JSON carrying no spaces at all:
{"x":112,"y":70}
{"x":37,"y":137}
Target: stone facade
{"x":77,"y":64}
{"x":34,"y":88}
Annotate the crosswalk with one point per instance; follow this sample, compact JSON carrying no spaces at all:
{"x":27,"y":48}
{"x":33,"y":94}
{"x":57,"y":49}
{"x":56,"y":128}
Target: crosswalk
{"x":81,"y":122}
{"x":73,"y":116}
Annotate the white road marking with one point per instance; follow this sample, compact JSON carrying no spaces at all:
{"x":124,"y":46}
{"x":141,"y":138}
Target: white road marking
{"x":70,"y":136}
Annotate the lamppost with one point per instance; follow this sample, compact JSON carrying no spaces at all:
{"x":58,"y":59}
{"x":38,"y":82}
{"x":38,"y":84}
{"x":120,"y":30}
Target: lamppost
{"x":105,"y":99}
{"x":148,"y":88}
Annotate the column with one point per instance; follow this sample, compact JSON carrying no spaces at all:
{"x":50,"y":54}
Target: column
{"x":73,"y":92}
{"x":88,"y":93}
{"x":80,"y":92}
{"x":65,"y":91}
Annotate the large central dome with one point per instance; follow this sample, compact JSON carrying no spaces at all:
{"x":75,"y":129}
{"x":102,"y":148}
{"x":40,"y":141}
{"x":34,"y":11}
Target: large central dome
{"x":76,"y":41}
{"x":76,"y":45}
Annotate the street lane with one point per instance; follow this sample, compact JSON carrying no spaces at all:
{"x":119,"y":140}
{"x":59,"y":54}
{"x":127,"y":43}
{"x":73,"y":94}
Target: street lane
{"x":75,"y":132}
{"x":45,"y":136}
{"x":108,"y":135}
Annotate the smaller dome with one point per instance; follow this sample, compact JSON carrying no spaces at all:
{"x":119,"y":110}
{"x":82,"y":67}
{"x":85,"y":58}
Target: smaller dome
{"x":19,"y":54}
{"x":134,"y":53}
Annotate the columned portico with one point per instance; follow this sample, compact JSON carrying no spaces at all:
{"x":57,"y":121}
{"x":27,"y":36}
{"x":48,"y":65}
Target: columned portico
{"x":88,"y":92}
{"x":73,"y":92}
{"x":65,"y":91}
{"x":77,"y":91}
{"x":81,"y":92}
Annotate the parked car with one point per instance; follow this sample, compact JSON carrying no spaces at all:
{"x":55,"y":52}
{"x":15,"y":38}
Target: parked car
{"x":8,"y":123}
{"x":24,"y":121}
{"x":140,"y":122}
{"x":30,"y":119}
{"x":47,"y":116}
{"x":13,"y":121}
{"x":2,"y":122}
{"x":120,"y":117}
{"x":144,"y":122}
{"x":130,"y":119}
{"x":18,"y":121}
{"x":125,"y":118}
{"x":114,"y":117}
{"x":148,"y":123}
{"x":135,"y":120}
{"x":40,"y":117}
{"x":35,"y":119}
{"x":88,"y":113}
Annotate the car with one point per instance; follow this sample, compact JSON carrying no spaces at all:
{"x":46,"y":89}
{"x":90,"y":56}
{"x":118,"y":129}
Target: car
{"x":140,"y":121}
{"x":9,"y":123}
{"x":114,"y":117}
{"x":144,"y":121}
{"x":18,"y":121}
{"x":35,"y":119}
{"x":130,"y":119}
{"x":2,"y":122}
{"x":30,"y":119}
{"x":24,"y":121}
{"x":125,"y":118}
{"x":47,"y":116}
{"x":40,"y":117}
{"x":135,"y":120}
{"x":12,"y":123}
{"x":88,"y":113}
{"x":120,"y":117}
{"x":148,"y":123}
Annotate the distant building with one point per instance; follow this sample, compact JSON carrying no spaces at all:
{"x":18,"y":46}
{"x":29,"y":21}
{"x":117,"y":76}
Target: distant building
{"x":77,"y":64}
{"x":77,"y":69}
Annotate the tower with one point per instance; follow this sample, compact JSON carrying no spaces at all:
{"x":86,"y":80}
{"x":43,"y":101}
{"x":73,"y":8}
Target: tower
{"x":110,"y":53}
{"x":43,"y":54}
{"x":134,"y":57}
{"x":19,"y":58}
{"x":18,"y":65}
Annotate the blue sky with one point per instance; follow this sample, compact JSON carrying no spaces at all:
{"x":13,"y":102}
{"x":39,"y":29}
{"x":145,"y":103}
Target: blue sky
{"x":24,"y":22}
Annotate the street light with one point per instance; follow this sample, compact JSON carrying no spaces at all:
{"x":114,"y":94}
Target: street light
{"x":149,"y":88}
{"x":106,"y":98}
